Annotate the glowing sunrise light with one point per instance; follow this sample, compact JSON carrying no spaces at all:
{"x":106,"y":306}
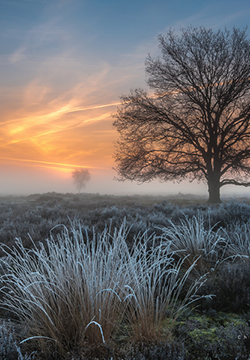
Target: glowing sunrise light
{"x":57,"y":130}
{"x":46,"y":119}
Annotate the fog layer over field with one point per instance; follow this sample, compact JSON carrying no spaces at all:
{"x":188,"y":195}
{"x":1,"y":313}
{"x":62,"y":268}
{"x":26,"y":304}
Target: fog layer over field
{"x":30,"y":181}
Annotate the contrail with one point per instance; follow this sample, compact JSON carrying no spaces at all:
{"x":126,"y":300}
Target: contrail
{"x":94,"y":107}
{"x":66,"y":128}
{"x":50,"y":163}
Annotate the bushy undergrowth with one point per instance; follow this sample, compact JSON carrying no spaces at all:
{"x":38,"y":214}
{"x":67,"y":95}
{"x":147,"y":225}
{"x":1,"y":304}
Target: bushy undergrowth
{"x":155,"y":351}
{"x":9,"y":347}
{"x":230,"y":286}
{"x":37,"y":214}
{"x":85,"y":288}
{"x":213,"y":336}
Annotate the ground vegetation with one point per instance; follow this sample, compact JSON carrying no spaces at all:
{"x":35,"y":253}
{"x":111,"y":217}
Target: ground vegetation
{"x":130,"y":277}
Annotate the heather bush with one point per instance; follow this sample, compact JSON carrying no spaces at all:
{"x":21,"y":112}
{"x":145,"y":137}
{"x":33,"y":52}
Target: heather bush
{"x":230,"y":287}
{"x":9,"y":348}
{"x":214,"y":336}
{"x":171,"y":350}
{"x":37,"y":214}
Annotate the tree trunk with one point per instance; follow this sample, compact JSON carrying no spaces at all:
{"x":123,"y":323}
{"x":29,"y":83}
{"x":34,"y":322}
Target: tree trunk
{"x":214,"y":188}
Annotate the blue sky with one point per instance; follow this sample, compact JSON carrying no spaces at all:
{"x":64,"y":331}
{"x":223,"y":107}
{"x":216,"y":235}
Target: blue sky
{"x":64,"y":64}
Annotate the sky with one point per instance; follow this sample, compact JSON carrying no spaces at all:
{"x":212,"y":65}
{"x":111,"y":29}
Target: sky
{"x":64,"y":65}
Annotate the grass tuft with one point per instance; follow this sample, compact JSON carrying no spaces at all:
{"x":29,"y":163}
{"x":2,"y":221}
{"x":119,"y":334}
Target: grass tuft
{"x":207,"y":247}
{"x":57,"y":293}
{"x":157,"y":282}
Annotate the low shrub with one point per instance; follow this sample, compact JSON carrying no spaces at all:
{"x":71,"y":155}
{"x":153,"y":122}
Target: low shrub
{"x":230,"y":286}
{"x":172,"y":350}
{"x":220,"y":336}
{"x":9,"y":347}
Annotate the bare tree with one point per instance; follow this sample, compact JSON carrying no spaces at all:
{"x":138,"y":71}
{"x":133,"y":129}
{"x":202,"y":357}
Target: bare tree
{"x":80,"y":178}
{"x":196,"y":125}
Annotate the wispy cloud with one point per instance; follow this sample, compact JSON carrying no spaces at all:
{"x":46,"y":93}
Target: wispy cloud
{"x":25,"y":127}
{"x":18,"y":55}
{"x":211,"y":16}
{"x":48,"y":164}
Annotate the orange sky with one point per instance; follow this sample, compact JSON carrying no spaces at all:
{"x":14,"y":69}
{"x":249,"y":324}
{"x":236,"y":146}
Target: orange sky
{"x":60,"y":137}
{"x":63,"y":136}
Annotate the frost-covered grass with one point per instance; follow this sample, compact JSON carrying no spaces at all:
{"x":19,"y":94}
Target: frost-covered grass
{"x":89,"y":287}
{"x":153,"y":302}
{"x":207,"y":246}
{"x":61,"y":293}
{"x":78,"y":289}
{"x":239,"y":240}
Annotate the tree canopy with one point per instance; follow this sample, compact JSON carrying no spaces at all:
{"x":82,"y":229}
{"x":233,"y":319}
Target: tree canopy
{"x":196,"y":124}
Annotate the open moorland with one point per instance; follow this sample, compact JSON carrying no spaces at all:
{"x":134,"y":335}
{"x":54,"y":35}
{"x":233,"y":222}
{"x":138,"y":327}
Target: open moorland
{"x":124,"y":277}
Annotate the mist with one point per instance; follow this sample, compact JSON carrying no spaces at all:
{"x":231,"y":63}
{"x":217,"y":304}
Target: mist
{"x":26,"y":180}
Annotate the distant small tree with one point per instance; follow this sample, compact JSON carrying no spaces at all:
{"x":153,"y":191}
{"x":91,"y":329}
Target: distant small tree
{"x":80,"y":178}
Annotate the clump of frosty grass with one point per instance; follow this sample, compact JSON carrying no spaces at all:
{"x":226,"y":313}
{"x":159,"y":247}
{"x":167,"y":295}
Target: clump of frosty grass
{"x":77,"y":290}
{"x":207,"y":247}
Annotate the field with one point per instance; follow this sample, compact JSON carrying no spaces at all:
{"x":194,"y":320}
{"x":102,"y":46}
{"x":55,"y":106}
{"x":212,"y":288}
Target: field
{"x":124,"y":277}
